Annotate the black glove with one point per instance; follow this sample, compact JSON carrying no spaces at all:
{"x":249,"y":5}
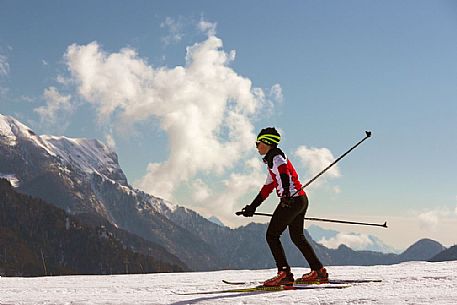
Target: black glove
{"x":249,"y":210}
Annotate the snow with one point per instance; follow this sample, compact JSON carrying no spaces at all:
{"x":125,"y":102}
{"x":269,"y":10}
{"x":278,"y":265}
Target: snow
{"x":406,"y":283}
{"x":91,"y":155}
{"x":11,"y":129}
{"x":11,"y":178}
{"x":7,"y":135}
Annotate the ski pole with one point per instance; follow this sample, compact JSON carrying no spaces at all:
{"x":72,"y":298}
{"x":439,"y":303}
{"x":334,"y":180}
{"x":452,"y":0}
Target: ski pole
{"x":367,"y":135}
{"x":384,"y":225}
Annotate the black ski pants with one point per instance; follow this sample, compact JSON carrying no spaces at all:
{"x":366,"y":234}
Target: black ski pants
{"x":290,"y":215}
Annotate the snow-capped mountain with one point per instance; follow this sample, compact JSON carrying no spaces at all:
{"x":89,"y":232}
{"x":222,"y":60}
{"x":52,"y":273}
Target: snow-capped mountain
{"x":86,"y":155}
{"x":83,"y":177}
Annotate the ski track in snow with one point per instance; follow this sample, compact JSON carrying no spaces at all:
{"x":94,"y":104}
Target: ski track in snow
{"x":406,"y":283}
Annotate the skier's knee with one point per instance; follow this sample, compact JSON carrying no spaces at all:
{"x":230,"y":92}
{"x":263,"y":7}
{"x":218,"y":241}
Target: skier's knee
{"x":297,"y":238}
{"x":272,"y":237}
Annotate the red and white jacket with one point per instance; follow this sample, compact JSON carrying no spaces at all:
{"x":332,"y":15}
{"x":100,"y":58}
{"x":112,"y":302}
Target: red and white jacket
{"x":281,"y":175}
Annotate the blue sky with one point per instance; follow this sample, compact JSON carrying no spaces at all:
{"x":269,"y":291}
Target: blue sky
{"x":321,"y":71}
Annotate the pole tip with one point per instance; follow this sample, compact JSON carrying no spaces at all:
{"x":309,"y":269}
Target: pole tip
{"x":385,"y":224}
{"x":368,"y":133}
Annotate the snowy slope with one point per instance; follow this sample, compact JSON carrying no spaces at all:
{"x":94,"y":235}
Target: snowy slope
{"x":407,"y":283}
{"x":11,"y":130}
{"x":87,"y":155}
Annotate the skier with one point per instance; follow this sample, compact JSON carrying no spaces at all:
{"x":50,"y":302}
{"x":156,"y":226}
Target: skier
{"x":290,"y":212}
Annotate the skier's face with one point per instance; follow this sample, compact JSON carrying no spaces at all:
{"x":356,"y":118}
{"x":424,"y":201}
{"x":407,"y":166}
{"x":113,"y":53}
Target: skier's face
{"x":262,"y":148}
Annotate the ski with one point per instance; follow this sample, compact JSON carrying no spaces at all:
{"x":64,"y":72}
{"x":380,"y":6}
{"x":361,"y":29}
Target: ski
{"x":236,"y":290}
{"x":262,"y":289}
{"x":318,"y":286}
{"x":331,"y":281}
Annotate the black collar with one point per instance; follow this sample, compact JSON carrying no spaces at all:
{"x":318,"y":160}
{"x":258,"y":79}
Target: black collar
{"x":268,"y":159}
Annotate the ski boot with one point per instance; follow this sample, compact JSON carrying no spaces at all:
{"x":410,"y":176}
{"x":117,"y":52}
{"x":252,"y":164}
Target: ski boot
{"x":314,"y":277}
{"x":282,"y":278}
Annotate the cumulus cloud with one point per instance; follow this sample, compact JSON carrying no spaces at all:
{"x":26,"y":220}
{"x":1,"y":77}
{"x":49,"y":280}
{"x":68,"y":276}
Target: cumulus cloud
{"x":315,"y":160}
{"x":57,"y":108}
{"x":205,"y":107}
{"x":353,"y":241}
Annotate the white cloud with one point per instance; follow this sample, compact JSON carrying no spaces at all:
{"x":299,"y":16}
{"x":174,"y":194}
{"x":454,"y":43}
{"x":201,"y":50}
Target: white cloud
{"x":315,"y":160}
{"x":428,"y":220}
{"x":57,"y":108}
{"x":276,"y":93}
{"x":205,"y":107}
{"x":4,"y":66}
{"x":353,"y":241}
{"x":110,"y":142}
{"x":231,"y":198}
{"x":431,"y":219}
{"x":175,"y":30}
{"x":207,"y":27}
{"x":200,"y":191}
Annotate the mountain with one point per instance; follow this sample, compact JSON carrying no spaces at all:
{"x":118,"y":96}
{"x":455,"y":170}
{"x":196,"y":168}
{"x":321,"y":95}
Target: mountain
{"x":318,"y":233}
{"x":422,"y":250}
{"x":37,"y":238}
{"x":446,"y":255}
{"x":216,"y":220}
{"x":83,"y":177}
